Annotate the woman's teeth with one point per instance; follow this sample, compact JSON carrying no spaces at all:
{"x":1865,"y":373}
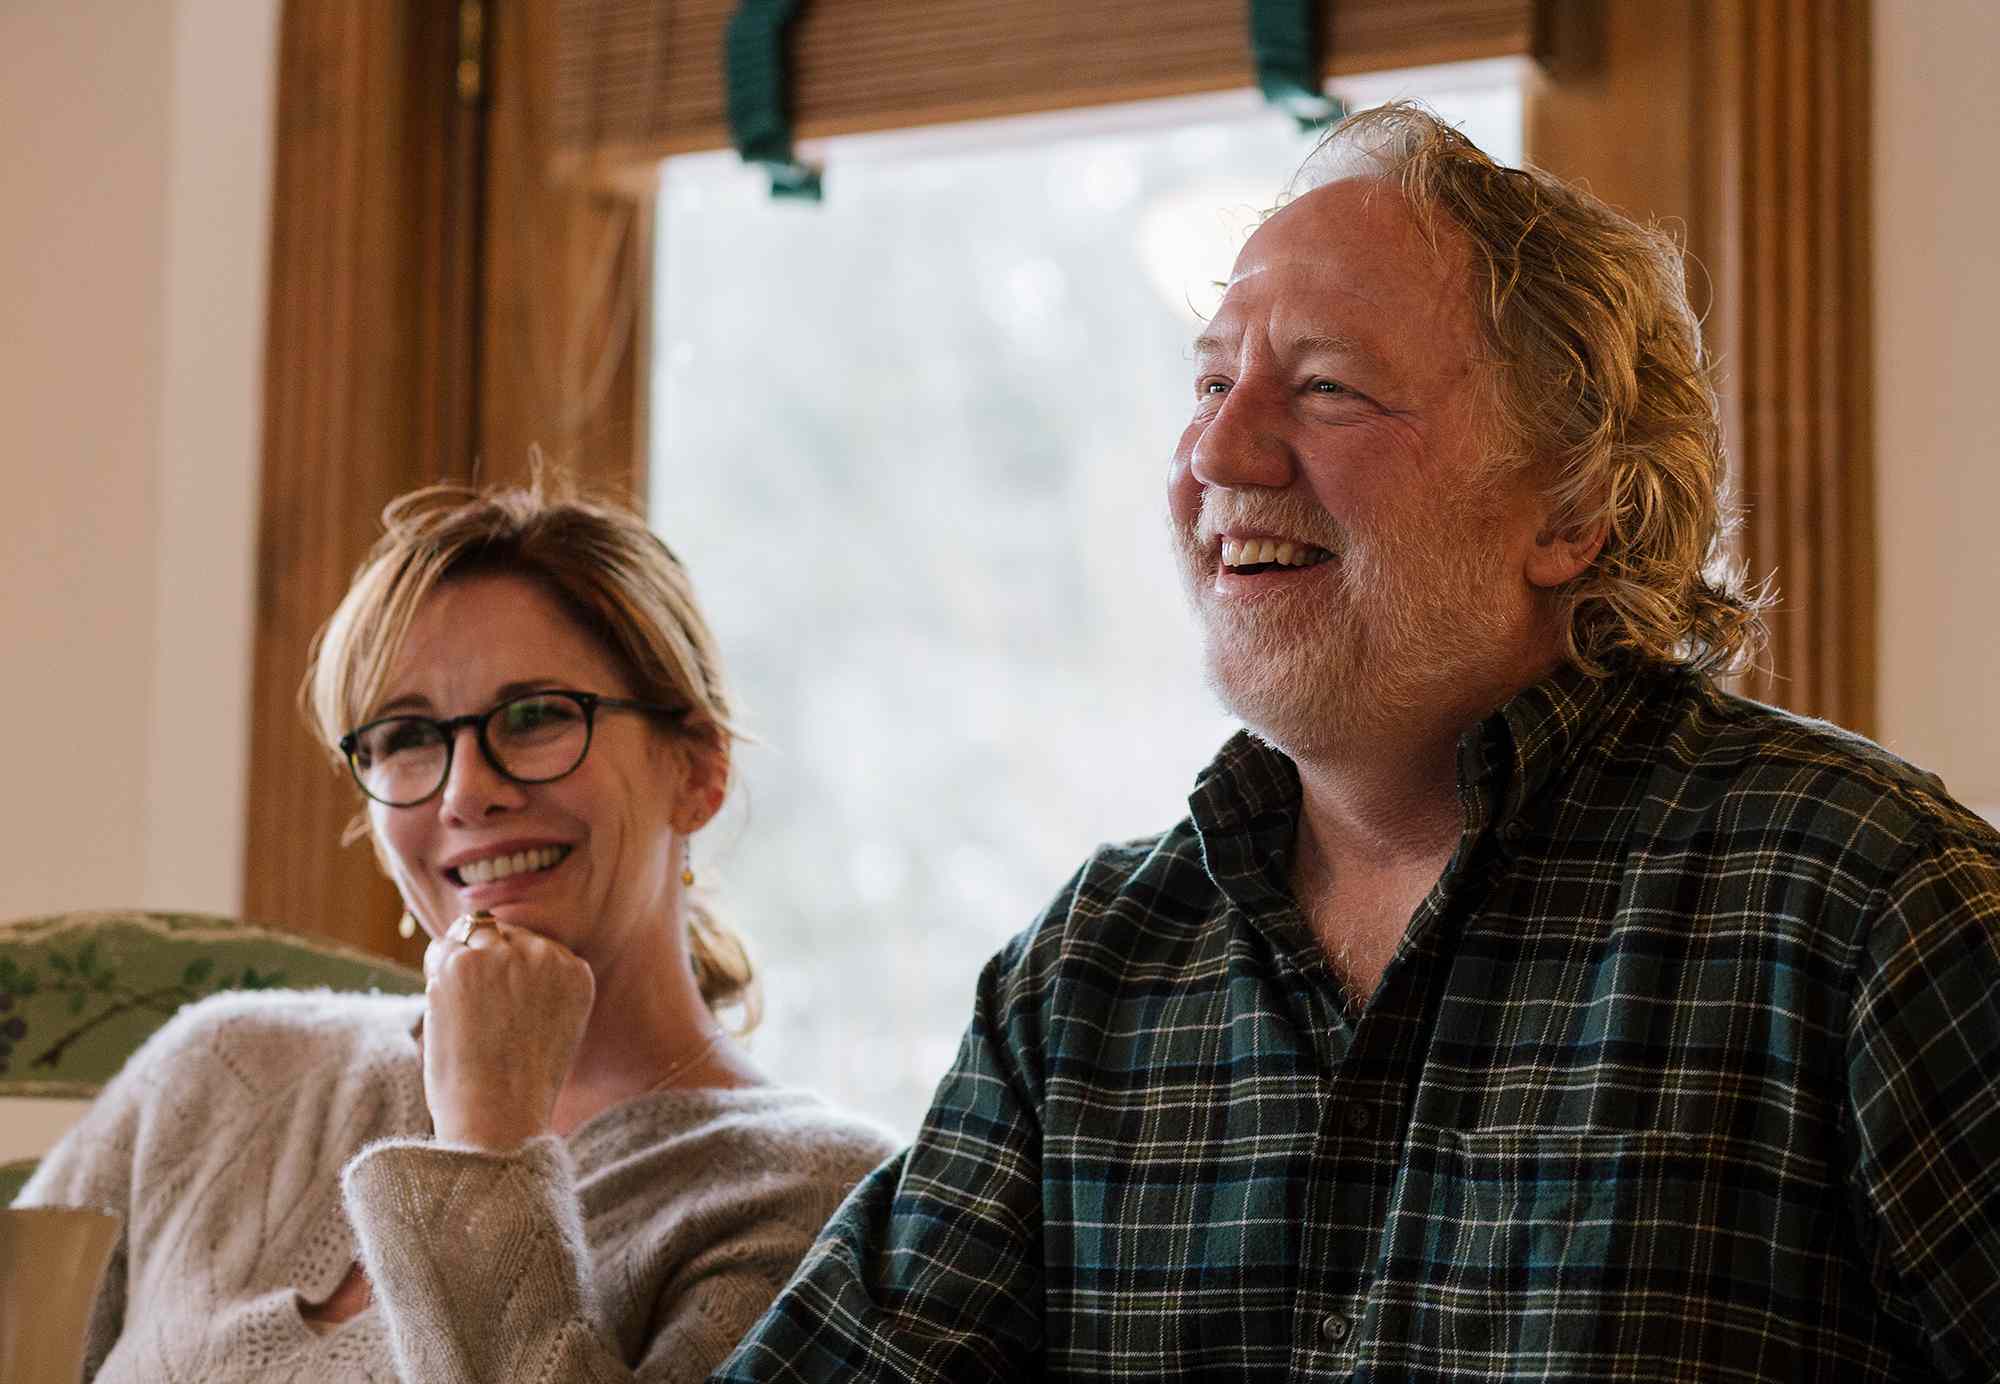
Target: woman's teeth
{"x":1258,"y":552}
{"x":501,"y":866}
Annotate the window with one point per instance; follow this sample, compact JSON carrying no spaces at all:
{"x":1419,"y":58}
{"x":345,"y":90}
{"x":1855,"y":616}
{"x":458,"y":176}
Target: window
{"x":911,"y":443}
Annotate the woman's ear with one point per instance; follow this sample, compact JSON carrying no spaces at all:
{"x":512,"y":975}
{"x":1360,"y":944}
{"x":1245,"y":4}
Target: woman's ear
{"x":706,"y":783}
{"x":1561,"y":555}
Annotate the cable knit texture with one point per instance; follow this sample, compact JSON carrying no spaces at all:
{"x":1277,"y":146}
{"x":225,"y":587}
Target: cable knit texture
{"x":260,"y":1143}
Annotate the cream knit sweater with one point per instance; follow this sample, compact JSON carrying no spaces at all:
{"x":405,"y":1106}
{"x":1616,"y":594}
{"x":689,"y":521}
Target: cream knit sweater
{"x":259,"y":1144}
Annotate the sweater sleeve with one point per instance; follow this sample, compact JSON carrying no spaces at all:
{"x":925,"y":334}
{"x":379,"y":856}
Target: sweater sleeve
{"x":482,"y":1269}
{"x":478,"y":1262}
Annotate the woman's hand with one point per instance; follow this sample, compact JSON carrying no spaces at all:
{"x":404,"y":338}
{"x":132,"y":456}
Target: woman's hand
{"x":507,"y":1011}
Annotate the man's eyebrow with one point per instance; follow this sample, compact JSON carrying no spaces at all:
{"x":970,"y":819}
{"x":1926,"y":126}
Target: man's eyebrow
{"x":1311,"y":344}
{"x":1328,"y":344}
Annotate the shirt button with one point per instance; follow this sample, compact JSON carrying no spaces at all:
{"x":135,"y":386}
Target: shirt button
{"x":1359,"y":1118}
{"x":1334,"y":1328}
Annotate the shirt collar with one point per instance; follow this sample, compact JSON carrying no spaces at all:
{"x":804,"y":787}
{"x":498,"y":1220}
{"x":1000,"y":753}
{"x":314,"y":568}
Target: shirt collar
{"x":1244,"y":809}
{"x":1247,"y":780}
{"x":1509,"y":761}
{"x":1505,"y":763}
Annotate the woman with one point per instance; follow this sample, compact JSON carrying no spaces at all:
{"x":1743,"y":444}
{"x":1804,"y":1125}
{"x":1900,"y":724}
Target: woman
{"x":557,"y":1164}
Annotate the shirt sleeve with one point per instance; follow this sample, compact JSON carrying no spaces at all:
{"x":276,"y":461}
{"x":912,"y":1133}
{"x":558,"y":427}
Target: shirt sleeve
{"x":931,"y":1272}
{"x":1924,"y":1087}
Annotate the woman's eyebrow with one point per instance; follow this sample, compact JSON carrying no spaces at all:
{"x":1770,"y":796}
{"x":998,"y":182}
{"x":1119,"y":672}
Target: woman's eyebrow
{"x":417,"y":702}
{"x":409,"y":701}
{"x":523,"y":686}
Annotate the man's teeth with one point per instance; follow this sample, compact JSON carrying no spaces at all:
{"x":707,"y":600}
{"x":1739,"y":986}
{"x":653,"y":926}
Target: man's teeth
{"x":1255,"y":552}
{"x":501,"y":866}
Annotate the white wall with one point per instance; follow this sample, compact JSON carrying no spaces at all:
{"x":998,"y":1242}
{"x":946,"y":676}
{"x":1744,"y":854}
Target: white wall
{"x":1937,"y":442}
{"x":135,"y":153}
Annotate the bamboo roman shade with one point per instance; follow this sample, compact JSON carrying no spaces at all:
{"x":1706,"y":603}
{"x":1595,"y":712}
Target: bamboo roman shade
{"x":637,"y":80}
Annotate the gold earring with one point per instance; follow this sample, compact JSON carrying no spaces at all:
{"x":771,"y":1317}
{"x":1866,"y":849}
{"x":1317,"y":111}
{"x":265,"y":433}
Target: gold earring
{"x":687,"y":876}
{"x":406,"y":926}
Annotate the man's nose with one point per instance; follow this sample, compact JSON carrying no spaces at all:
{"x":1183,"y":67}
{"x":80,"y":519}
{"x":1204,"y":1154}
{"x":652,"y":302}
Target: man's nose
{"x":473,"y":787}
{"x":1245,"y":442}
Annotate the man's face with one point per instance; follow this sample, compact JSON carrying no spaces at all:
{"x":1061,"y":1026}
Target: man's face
{"x":1352,"y":557}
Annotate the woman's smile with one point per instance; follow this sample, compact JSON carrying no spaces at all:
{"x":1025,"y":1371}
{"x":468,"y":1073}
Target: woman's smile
{"x":505,"y":862}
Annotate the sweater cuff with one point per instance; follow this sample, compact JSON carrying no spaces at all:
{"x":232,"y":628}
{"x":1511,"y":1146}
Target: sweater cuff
{"x":478,"y":1259}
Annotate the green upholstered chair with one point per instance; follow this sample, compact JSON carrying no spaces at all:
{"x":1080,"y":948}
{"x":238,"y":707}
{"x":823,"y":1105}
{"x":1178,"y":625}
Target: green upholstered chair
{"x":80,"y":992}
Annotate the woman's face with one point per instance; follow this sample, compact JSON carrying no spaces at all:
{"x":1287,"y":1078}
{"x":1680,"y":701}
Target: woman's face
{"x":602,"y":868}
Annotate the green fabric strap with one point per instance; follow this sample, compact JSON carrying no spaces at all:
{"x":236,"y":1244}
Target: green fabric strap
{"x":1284,"y":45}
{"x":753,"y":56}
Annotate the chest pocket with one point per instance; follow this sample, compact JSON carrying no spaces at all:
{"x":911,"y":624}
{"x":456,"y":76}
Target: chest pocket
{"x":1568,"y":1248}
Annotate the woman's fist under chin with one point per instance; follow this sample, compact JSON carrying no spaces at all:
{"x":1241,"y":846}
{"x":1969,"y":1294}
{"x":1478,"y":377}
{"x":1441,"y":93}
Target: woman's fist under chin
{"x":507,"y":1011}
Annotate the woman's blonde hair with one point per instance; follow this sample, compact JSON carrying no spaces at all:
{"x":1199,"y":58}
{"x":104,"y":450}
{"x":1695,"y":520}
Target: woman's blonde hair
{"x":1599,"y":387}
{"x":623,"y":586}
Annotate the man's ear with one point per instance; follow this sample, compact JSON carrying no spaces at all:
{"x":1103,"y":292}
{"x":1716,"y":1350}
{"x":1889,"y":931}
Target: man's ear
{"x":1561,"y":555}
{"x":706,"y":783}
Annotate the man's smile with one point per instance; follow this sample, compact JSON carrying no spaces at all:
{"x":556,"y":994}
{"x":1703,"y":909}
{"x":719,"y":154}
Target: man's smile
{"x":1245,"y":556}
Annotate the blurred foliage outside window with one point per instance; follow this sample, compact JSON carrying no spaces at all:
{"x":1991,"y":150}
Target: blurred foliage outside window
{"x":912,"y":445}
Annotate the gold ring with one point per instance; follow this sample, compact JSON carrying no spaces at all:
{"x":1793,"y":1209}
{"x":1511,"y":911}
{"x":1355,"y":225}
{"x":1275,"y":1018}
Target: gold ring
{"x":469,"y":923}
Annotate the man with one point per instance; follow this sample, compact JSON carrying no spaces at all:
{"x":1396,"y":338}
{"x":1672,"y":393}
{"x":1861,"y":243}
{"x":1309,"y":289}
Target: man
{"x":1513,"y":1003}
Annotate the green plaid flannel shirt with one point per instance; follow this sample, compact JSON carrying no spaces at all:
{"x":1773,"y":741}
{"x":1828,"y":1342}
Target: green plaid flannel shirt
{"x":1688,"y":1068}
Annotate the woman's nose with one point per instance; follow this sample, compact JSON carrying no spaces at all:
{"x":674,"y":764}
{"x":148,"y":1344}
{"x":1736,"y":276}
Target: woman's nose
{"x":473,"y":787}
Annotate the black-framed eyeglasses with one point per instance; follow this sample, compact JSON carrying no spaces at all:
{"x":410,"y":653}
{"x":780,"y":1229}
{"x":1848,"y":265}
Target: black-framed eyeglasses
{"x":537,"y":737}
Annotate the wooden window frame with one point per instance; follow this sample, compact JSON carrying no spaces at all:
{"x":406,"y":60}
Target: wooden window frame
{"x":461,"y":245}
{"x":1746,"y":124}
{"x":370,"y":389}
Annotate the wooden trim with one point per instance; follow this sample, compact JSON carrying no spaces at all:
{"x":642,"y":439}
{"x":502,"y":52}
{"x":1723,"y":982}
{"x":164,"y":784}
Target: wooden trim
{"x":567,"y":284}
{"x":449,"y":179}
{"x":1805,"y":343}
{"x":642,"y":79}
{"x":368,"y":380}
{"x":1746,"y":121}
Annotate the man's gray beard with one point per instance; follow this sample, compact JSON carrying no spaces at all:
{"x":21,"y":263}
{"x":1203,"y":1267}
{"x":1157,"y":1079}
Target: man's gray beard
{"x":1402,"y":639}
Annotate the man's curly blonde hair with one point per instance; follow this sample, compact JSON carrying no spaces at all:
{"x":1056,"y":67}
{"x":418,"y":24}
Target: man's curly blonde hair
{"x":1600,"y":387}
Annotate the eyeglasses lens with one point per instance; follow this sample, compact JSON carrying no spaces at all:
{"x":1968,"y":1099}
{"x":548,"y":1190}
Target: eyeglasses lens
{"x":400,"y":760}
{"x":404,"y":759}
{"x":538,"y":737}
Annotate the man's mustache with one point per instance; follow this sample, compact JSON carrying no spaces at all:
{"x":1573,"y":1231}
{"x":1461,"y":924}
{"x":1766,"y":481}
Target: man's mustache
{"x":1287,"y":515}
